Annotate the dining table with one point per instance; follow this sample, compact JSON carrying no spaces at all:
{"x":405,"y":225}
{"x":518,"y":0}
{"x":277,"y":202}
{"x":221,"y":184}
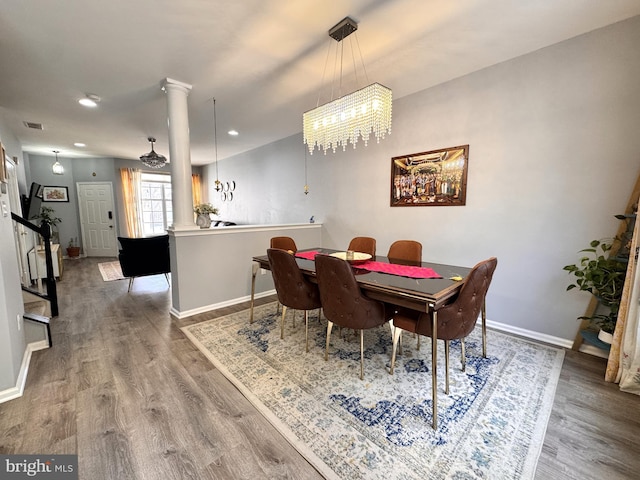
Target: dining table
{"x":419,"y":286}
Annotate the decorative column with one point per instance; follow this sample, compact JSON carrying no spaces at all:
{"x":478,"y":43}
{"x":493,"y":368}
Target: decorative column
{"x":179,"y":153}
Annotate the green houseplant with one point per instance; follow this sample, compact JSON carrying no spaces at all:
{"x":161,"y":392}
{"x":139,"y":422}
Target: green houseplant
{"x":73,"y":250}
{"x":603,"y":276}
{"x":48,"y":215}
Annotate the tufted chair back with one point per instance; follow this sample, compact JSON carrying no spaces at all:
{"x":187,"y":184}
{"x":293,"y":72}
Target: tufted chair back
{"x":293,"y":289}
{"x":458,"y":318}
{"x":284,"y":243}
{"x":405,"y":251}
{"x":342,"y":301}
{"x":364,"y":245}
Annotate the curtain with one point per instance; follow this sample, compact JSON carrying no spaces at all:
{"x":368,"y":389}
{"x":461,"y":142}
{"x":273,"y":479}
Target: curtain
{"x":624,"y":359}
{"x":131,"y":182}
{"x":196,"y":188}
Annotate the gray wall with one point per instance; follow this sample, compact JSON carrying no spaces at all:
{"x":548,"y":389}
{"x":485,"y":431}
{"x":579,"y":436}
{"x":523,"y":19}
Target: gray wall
{"x":554,"y":154}
{"x":12,"y":341}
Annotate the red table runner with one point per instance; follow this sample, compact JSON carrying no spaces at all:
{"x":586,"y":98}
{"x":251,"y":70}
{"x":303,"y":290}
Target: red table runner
{"x":383,"y":267}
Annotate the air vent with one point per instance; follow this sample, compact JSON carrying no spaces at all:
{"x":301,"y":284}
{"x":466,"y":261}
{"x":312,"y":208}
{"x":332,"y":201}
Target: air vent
{"x":35,"y":126}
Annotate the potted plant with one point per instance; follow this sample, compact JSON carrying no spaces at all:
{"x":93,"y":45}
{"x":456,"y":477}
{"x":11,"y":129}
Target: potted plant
{"x":48,"y":216}
{"x":73,"y":250}
{"x":603,"y":276}
{"x":203,"y":212}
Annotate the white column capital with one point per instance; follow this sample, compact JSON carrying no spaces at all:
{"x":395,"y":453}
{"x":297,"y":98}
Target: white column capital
{"x":171,"y":84}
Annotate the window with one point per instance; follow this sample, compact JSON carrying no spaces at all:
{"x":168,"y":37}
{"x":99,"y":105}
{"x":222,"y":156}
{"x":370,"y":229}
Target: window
{"x":157,"y":212}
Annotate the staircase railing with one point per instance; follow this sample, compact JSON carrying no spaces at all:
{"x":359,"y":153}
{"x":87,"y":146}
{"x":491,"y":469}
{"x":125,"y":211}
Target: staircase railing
{"x":51,"y":294}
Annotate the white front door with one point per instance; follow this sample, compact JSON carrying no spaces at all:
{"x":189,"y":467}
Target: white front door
{"x":97,"y":219}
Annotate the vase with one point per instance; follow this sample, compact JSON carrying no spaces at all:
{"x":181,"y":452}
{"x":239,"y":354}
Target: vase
{"x":203,"y":220}
{"x":606,"y":337}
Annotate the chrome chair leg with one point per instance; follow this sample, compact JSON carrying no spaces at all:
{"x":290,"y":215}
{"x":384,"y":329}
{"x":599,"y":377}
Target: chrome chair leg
{"x":326,"y":350}
{"x":361,"y":354}
{"x":418,"y":343}
{"x":484,"y":329}
{"x":463,"y":356}
{"x":130,"y":283}
{"x":397,"y":333}
{"x":166,"y":275}
{"x":306,"y":330}
{"x":284,"y":312}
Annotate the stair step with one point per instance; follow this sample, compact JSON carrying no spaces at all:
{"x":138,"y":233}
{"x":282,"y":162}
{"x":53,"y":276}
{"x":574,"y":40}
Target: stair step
{"x":34,"y":317}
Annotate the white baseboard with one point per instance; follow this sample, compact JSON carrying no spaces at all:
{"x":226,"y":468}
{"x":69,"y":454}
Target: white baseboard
{"x":214,"y":306}
{"x":15,"y":392}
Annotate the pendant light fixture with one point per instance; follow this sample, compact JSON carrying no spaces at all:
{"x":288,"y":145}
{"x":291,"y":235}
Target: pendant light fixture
{"x":218,"y":183}
{"x":349,"y":117}
{"x":57,"y":167}
{"x":153,"y":159}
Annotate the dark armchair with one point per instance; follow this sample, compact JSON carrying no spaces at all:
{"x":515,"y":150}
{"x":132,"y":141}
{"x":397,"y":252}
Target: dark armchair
{"x":144,"y":256}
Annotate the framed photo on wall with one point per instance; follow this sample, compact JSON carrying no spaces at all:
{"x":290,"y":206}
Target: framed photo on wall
{"x":55,"y":194}
{"x":430,"y":179}
{"x":3,"y":165}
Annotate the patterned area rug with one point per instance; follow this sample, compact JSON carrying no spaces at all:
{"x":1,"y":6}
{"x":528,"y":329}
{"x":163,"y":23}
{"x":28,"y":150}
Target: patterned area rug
{"x":110,"y":271}
{"x":490,"y":426}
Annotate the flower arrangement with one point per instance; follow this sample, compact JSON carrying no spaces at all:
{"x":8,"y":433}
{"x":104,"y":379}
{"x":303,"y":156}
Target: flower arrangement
{"x":205,"y":209}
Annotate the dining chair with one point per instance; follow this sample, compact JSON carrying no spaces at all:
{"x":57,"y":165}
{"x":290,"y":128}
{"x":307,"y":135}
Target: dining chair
{"x":406,"y":251}
{"x":364,"y":245}
{"x":293,"y":289}
{"x":455,"y":320}
{"x":283,"y":243}
{"x":344,"y":304}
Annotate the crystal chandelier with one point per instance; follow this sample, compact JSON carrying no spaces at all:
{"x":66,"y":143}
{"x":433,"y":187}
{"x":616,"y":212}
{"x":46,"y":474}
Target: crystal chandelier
{"x":349,"y":117}
{"x":153,"y":159}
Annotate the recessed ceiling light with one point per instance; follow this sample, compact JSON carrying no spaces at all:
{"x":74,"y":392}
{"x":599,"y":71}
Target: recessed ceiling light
{"x":79,"y":144}
{"x":233,"y":133}
{"x":89,"y":100}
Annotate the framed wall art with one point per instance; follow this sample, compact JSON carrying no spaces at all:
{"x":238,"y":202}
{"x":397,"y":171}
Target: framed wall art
{"x":434,"y":178}
{"x":3,"y":165}
{"x":55,"y":194}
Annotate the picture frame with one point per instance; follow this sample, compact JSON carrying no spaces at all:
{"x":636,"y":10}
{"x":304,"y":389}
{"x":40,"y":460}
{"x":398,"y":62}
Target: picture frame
{"x":3,"y":165}
{"x":436,"y":178}
{"x":55,"y":194}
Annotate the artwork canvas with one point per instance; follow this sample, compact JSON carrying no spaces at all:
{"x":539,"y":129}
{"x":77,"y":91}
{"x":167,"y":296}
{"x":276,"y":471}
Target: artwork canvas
{"x":433,"y":178}
{"x":55,"y":194}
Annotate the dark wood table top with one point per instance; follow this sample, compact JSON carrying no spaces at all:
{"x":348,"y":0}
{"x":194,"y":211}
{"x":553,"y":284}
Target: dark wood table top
{"x":415,"y":293}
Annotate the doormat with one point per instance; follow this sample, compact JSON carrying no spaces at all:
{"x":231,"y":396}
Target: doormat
{"x":111,"y":271}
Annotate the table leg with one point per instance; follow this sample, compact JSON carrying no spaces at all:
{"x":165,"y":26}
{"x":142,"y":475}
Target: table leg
{"x":254,"y":272}
{"x":434,"y":367}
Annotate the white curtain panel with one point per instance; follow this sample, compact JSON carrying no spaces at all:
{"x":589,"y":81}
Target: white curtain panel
{"x":630,"y":352}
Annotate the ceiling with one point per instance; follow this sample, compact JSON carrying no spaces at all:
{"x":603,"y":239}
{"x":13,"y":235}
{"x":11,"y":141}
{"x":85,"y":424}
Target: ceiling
{"x":263,"y":61}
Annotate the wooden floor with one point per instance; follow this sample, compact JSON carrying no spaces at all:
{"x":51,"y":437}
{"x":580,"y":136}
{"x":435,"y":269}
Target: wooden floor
{"x":125,"y":390}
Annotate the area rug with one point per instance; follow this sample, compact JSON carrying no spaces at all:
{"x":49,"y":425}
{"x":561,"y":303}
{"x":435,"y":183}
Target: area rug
{"x":490,"y":426}
{"x":110,"y":271}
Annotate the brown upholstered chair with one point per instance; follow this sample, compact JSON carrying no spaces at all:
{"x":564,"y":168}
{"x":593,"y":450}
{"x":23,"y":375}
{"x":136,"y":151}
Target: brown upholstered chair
{"x":294,"y":291}
{"x":284,"y":243}
{"x":408,"y":251}
{"x":364,"y":245}
{"x":456,"y":319}
{"x":343,"y":302}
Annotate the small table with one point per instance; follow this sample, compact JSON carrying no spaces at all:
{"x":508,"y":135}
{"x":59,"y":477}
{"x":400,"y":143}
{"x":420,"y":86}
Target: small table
{"x":423,"y":295}
{"x":38,"y":265}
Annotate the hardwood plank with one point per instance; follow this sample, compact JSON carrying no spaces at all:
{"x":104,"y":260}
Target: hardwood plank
{"x":125,"y":389}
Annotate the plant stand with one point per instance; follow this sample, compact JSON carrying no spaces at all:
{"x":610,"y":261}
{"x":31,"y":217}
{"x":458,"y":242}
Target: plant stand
{"x":624,"y":233}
